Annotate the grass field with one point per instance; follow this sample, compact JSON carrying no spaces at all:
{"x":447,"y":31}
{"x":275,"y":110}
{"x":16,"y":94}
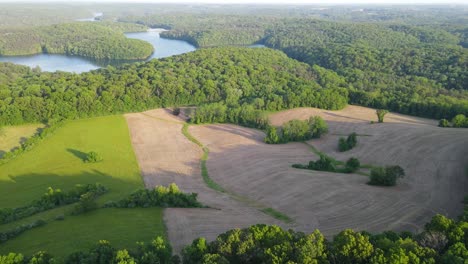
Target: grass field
{"x":11,"y":136}
{"x":57,"y":162}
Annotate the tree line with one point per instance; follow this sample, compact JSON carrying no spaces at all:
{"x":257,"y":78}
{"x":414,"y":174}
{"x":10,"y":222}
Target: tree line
{"x":262,"y":79}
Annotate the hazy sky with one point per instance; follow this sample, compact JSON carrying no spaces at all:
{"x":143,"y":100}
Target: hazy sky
{"x":263,"y":1}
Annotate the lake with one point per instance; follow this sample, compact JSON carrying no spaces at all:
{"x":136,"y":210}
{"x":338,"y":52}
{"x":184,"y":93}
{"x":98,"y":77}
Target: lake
{"x":59,"y":62}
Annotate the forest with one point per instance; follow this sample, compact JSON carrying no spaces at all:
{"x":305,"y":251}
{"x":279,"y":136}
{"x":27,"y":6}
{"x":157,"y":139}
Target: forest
{"x":263,"y":78}
{"x":412,"y":69}
{"x":99,"y":41}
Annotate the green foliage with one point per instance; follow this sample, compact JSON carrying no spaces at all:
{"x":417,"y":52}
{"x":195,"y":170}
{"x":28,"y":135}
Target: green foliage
{"x":347,"y":144}
{"x":93,"y":157}
{"x":380,"y":114}
{"x":318,"y":126}
{"x":52,"y":199}
{"x":12,"y":258}
{"x":323,"y":164}
{"x":401,"y":65}
{"x":444,"y":123}
{"x":259,"y":244}
{"x":387,"y":176}
{"x":351,"y":247}
{"x":85,"y":204}
{"x":93,"y":40}
{"x":272,"y":136}
{"x":352,"y":165}
{"x":42,"y":257}
{"x":297,"y":130}
{"x":460,"y":121}
{"x":4,"y":236}
{"x":160,"y":196}
{"x":456,"y":254}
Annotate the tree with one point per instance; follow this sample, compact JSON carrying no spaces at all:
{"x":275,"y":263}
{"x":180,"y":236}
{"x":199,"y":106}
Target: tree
{"x":93,"y":157}
{"x":351,"y":247}
{"x":387,"y":176}
{"x":380,"y":114}
{"x":444,"y":123}
{"x":352,"y":165}
{"x":460,"y":121}
{"x":272,"y":135}
{"x":318,"y":126}
{"x":12,"y":258}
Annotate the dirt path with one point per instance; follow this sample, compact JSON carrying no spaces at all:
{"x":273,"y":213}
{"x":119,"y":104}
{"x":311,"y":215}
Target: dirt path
{"x":166,"y":156}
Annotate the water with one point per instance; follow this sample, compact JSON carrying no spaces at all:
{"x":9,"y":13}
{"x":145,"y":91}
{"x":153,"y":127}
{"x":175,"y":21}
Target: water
{"x":162,"y":47}
{"x":59,"y":62}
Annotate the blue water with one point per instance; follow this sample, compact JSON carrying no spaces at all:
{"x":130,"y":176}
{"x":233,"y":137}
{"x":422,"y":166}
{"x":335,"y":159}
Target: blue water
{"x":59,"y":62}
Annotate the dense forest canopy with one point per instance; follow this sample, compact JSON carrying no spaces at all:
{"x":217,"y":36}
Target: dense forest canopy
{"x":100,"y":41}
{"x":264,"y":78}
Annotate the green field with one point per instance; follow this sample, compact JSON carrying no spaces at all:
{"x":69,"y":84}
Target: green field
{"x":57,"y":162}
{"x":11,"y":136}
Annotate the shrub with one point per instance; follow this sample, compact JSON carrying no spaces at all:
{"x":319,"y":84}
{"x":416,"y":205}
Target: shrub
{"x":86,"y":203}
{"x":352,"y":165}
{"x":349,"y":143}
{"x":296,"y":130}
{"x":318,"y":126}
{"x":323,"y":164}
{"x":272,"y":135}
{"x":380,"y":114}
{"x":387,"y":176}
{"x":444,"y":123}
{"x":460,"y":121}
{"x":93,"y":157}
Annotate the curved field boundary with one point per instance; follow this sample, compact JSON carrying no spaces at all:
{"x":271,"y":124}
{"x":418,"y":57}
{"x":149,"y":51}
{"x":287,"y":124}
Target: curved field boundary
{"x":213,"y":185}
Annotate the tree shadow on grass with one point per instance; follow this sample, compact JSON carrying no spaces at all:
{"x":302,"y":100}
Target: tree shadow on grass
{"x":79,"y":154}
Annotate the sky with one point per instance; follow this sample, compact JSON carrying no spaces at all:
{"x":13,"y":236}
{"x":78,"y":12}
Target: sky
{"x":262,"y":1}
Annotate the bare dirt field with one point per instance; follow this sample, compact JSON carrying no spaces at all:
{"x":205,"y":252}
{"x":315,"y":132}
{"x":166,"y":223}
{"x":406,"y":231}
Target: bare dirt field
{"x":166,"y":156}
{"x":434,"y":160}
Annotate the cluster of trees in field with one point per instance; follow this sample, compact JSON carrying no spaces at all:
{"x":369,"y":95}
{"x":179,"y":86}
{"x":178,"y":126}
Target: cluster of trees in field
{"x":348,"y":143}
{"x":99,"y":41}
{"x":236,"y":77}
{"x":326,"y":163}
{"x":386,"y":176}
{"x":443,"y":240}
{"x":296,"y":130}
{"x":458,"y":121}
{"x":413,"y":69}
{"x":51,"y":199}
{"x":160,"y":196}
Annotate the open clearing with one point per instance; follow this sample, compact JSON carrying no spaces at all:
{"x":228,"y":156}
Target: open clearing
{"x":12,"y":136}
{"x":57,"y":162}
{"x":165,"y":155}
